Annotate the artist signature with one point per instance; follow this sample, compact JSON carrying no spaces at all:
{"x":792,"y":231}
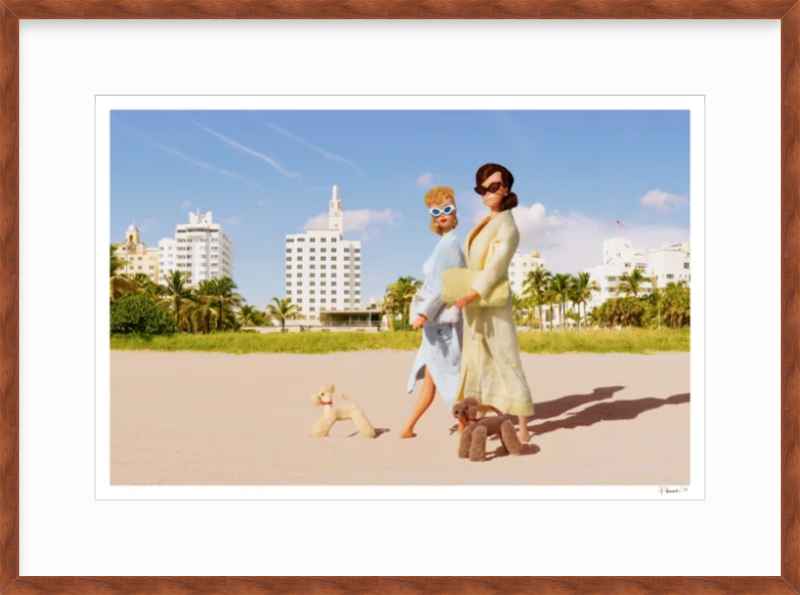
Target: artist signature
{"x":681,"y":490}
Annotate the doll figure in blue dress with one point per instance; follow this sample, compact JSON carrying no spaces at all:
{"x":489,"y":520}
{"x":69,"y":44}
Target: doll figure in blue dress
{"x":438,"y":360}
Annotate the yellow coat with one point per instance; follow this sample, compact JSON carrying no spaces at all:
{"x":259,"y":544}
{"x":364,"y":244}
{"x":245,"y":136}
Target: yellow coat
{"x":491,"y":370}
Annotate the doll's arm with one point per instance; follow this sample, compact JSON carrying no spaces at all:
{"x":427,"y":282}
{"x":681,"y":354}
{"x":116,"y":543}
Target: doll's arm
{"x":496,"y":268}
{"x":449,"y":256}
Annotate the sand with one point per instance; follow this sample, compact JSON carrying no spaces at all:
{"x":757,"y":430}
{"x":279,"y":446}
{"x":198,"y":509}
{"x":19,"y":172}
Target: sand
{"x":223,"y":419}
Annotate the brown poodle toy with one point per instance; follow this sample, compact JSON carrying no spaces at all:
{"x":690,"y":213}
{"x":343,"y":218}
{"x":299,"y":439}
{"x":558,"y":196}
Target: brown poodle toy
{"x":480,"y":428}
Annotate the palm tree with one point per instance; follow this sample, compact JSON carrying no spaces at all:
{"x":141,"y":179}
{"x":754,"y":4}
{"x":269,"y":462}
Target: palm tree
{"x":400,"y":293}
{"x":203,"y":314}
{"x":584,"y":286}
{"x":282,"y":310}
{"x":224,"y":299}
{"x":178,"y":296}
{"x":559,"y":291}
{"x":676,"y":307}
{"x":518,"y":308}
{"x":119,"y":283}
{"x":535,"y":286}
{"x":631,"y":283}
{"x":248,"y":315}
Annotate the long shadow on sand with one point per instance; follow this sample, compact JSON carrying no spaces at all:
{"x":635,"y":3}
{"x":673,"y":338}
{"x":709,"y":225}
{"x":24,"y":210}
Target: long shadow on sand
{"x":613,"y":411}
{"x":560,"y":406}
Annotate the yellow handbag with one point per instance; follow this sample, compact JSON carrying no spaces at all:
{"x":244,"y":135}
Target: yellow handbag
{"x":456,"y":283}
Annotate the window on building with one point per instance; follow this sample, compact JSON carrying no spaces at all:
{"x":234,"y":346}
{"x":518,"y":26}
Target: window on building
{"x":312,"y":239}
{"x":312,"y":258}
{"x":288,"y":250}
{"x":311,"y":283}
{"x":333,"y":282}
{"x":311,"y":300}
{"x":289,"y":283}
{"x":685,"y":265}
{"x":333,"y":258}
{"x":322,"y":239}
{"x":322,"y":249}
{"x":289,"y":240}
{"x":301,"y":240}
{"x":670,"y":276}
{"x":312,"y":266}
{"x":312,"y":249}
{"x":347,"y":249}
{"x":322,"y":266}
{"x":333,"y":249}
{"x":322,"y":258}
{"x":358,"y":250}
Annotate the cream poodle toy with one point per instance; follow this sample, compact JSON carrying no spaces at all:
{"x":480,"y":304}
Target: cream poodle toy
{"x":330,"y":414}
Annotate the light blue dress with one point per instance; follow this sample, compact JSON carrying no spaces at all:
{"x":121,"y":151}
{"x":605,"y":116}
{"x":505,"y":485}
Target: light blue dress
{"x":442,"y":333}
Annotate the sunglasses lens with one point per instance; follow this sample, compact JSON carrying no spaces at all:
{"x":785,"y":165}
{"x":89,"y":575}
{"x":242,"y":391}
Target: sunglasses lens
{"x":480,"y":190}
{"x":435,"y":212}
{"x":448,"y":209}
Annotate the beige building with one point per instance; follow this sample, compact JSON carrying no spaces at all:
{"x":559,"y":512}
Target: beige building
{"x":139,"y":258}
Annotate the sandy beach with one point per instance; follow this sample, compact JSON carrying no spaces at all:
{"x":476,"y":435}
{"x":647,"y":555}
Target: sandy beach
{"x":214,"y":418}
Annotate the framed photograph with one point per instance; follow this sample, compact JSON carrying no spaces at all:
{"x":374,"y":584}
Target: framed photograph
{"x":378,"y":297}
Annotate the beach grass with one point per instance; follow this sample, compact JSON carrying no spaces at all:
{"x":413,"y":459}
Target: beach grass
{"x":592,"y":341}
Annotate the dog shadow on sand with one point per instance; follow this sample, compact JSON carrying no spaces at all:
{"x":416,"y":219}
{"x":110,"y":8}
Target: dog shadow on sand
{"x":378,"y":433}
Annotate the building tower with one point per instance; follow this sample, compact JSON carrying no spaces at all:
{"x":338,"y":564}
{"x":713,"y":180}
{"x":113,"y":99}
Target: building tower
{"x":335,"y":216}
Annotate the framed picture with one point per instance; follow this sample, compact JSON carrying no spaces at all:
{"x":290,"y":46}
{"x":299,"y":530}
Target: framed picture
{"x":274,"y":220}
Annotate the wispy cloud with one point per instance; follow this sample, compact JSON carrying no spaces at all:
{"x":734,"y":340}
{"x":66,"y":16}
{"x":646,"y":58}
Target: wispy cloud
{"x":263,"y":202}
{"x":664,"y":201}
{"x":202,"y":164}
{"x":363,"y":221}
{"x":320,"y":150}
{"x":425,"y":180}
{"x":248,"y":150}
{"x":235,"y":220}
{"x":186,"y":204}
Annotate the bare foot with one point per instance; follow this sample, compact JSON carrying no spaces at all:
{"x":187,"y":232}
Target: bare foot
{"x":407,"y":434}
{"x":523,"y":435}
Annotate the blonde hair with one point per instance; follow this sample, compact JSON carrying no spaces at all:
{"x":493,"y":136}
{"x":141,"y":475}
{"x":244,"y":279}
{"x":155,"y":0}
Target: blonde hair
{"x":434,"y":196}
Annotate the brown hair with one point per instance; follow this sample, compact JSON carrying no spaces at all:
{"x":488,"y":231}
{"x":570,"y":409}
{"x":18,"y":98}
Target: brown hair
{"x":434,"y":196}
{"x":510,"y":200}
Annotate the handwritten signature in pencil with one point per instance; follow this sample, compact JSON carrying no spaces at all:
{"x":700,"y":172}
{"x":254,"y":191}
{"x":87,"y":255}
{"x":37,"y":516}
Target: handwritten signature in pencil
{"x":681,"y":490}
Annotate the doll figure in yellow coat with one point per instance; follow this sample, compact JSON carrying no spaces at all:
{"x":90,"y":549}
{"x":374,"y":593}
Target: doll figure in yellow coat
{"x":491,"y":370}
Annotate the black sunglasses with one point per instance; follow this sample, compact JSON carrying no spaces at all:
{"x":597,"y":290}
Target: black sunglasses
{"x":491,"y":188}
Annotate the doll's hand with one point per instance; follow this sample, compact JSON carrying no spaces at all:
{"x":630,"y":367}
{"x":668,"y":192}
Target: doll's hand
{"x":464,"y":301}
{"x":419,"y":322}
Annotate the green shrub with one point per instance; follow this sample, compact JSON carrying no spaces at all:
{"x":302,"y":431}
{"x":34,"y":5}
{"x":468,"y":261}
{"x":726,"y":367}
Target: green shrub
{"x":137,"y":314}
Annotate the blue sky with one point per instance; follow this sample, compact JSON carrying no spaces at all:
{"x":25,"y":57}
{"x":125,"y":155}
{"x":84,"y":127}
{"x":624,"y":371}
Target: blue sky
{"x":266,"y":174}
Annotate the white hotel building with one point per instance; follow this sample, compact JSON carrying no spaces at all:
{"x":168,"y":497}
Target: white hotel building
{"x":200,"y":248}
{"x":521,"y":265}
{"x":669,"y":264}
{"x":323,"y":270}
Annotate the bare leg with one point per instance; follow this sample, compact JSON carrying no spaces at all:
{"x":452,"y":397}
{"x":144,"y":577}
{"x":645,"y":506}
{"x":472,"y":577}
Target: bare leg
{"x":423,"y":402}
{"x":524,"y":434}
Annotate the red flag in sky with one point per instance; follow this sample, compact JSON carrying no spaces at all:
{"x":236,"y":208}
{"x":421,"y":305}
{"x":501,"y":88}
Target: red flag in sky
{"x":620,"y":224}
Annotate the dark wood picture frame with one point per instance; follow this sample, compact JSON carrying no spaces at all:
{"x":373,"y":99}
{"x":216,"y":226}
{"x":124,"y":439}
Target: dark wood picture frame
{"x":11,"y":11}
